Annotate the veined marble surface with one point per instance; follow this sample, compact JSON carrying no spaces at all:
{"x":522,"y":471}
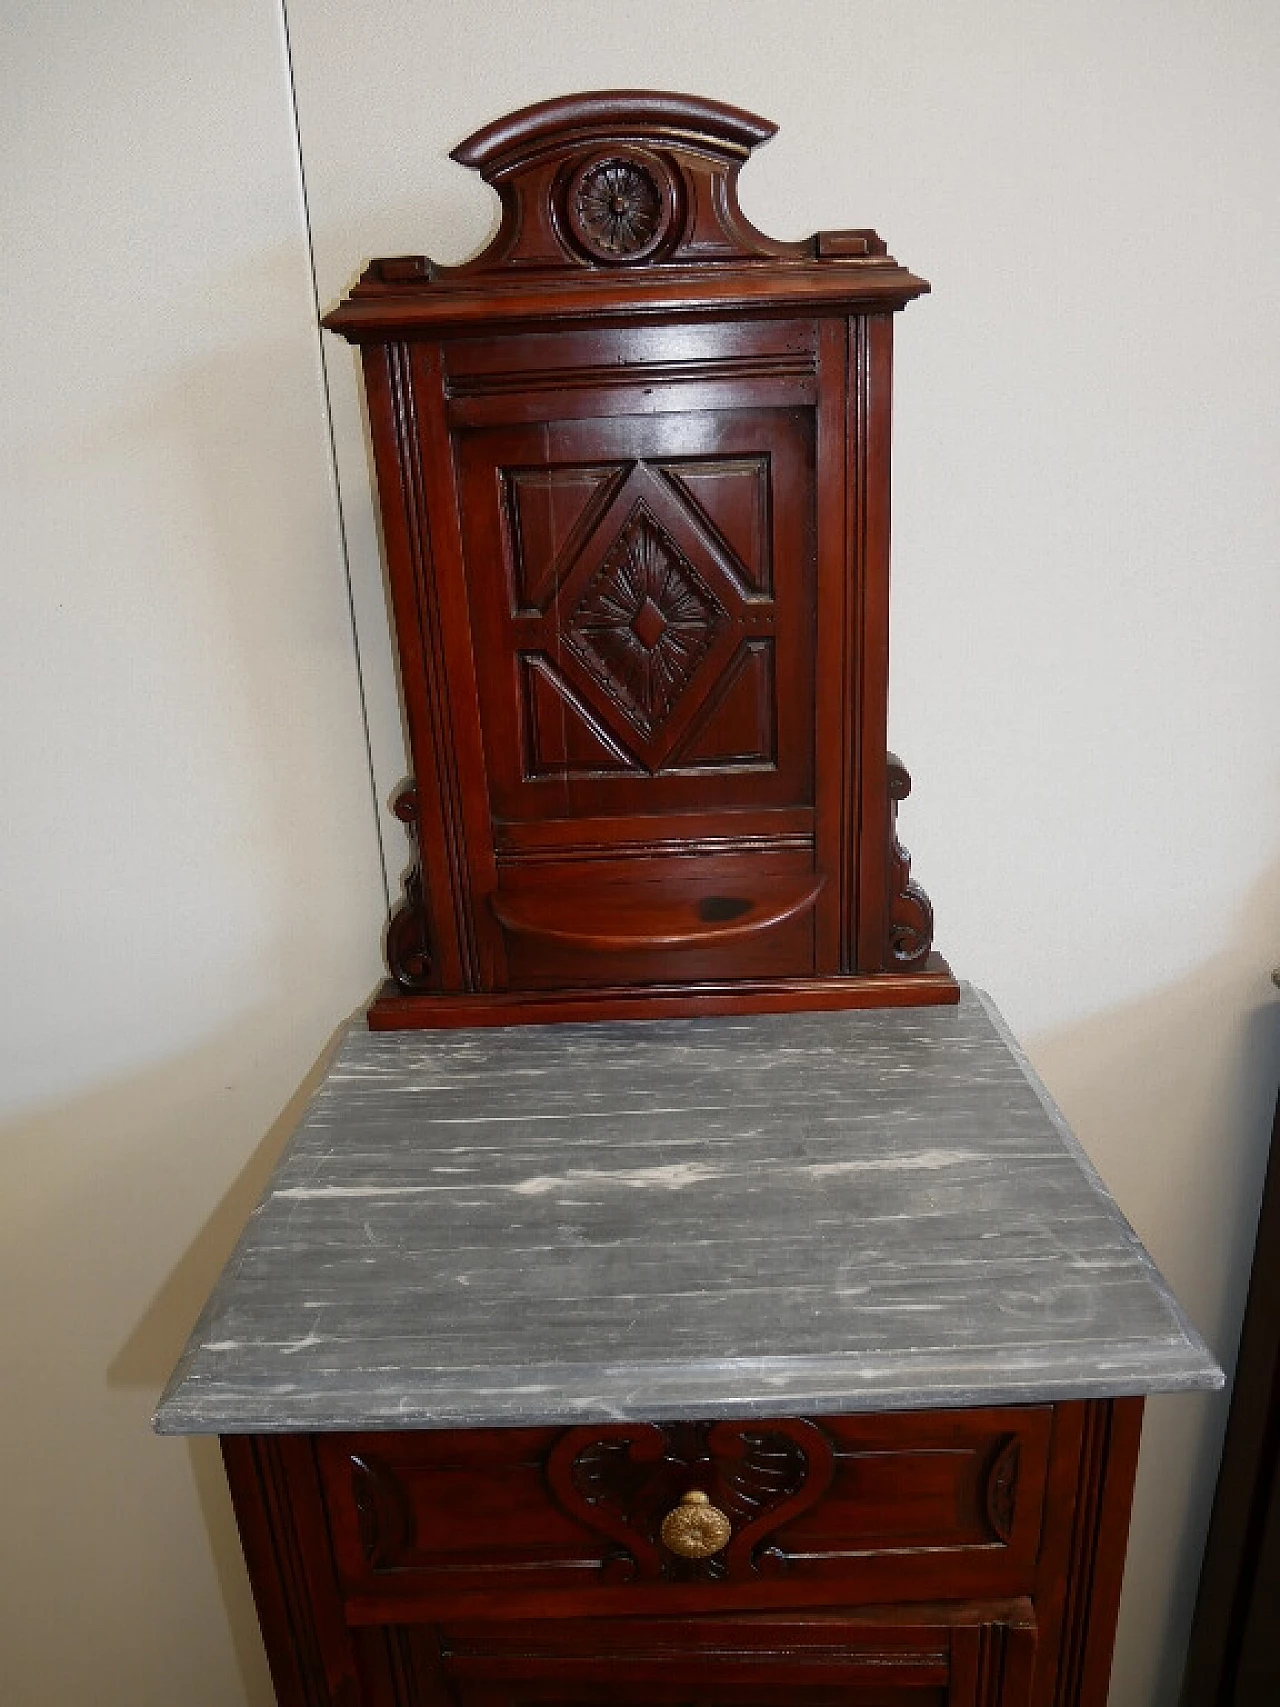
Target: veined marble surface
{"x":679,"y":1219}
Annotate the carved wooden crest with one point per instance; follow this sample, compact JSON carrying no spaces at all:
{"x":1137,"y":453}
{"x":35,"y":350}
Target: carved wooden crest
{"x":620,"y":180}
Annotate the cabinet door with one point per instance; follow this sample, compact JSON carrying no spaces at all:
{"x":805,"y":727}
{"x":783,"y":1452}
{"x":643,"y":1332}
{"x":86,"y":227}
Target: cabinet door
{"x":647,"y":614}
{"x":898,"y":1657}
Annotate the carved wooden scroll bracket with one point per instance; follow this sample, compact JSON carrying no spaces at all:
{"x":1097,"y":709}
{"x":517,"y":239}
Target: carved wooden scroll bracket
{"x":910,"y":910}
{"x":408,"y":948}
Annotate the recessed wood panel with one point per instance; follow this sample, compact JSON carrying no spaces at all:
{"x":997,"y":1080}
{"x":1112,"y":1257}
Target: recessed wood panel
{"x":548,"y":513}
{"x":638,"y":657}
{"x":648,"y":599}
{"x":921,"y":1659}
{"x":928,"y":1656}
{"x":563,"y":736}
{"x":731,"y":496}
{"x":738,"y":722}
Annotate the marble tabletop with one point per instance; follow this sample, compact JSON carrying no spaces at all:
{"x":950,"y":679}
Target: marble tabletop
{"x":682,"y":1218}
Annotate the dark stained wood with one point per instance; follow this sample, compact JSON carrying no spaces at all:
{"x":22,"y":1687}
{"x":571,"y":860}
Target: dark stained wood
{"x":633,"y":463}
{"x":681,"y":247}
{"x":1234,"y":1659}
{"x":976,"y":1555}
{"x":924,"y":1656}
{"x":865,"y":1509}
{"x":1108,"y":1465}
{"x":396,"y":1010}
{"x":280,"y":1516}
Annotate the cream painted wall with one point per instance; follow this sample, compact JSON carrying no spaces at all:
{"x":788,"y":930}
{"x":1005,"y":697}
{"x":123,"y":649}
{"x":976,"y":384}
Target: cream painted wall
{"x":1084,"y":672}
{"x":192,"y":892}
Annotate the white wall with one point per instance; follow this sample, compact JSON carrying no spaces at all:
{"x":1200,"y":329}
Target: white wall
{"x":1084,"y":677}
{"x":191,"y":893}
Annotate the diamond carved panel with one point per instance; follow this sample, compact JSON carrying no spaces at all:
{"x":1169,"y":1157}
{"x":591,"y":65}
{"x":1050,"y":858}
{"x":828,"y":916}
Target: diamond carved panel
{"x":645,"y":623}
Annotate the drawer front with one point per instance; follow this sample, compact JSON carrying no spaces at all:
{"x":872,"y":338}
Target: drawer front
{"x":929,"y":1505}
{"x":900,"y":1658}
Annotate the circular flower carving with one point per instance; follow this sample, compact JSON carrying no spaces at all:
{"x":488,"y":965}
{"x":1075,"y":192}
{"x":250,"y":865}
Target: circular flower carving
{"x":619,"y":207}
{"x":644,"y":624}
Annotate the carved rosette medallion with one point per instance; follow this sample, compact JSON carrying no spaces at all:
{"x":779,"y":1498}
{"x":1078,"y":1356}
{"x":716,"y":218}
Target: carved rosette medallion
{"x":644,"y":623}
{"x":619,"y":207}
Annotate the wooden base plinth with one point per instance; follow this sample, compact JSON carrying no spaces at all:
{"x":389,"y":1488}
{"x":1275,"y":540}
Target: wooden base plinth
{"x":932,"y":987}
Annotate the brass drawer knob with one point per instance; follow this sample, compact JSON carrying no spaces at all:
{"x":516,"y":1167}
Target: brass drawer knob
{"x":696,"y":1529}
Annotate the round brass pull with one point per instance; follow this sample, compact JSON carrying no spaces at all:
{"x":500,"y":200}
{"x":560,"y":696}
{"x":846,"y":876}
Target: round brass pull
{"x":696,"y":1529}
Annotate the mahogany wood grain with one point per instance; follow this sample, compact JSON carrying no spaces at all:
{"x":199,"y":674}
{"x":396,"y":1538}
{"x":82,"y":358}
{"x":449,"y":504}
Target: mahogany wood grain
{"x":395,"y":1010}
{"x":633,"y":466}
{"x":919,"y":1657}
{"x":1114,"y":1433}
{"x":839,"y":1510}
{"x":280,"y":1515}
{"x":984,"y":1549}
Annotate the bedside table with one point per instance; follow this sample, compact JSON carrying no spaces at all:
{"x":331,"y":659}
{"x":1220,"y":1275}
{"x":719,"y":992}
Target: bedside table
{"x":786,"y":1358}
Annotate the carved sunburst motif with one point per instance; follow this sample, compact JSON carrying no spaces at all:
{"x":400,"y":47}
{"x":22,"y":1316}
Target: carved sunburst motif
{"x":618,"y":208}
{"x":644,"y":622}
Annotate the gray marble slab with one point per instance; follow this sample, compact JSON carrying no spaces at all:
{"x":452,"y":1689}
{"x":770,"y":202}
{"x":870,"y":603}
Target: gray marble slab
{"x":679,"y":1219}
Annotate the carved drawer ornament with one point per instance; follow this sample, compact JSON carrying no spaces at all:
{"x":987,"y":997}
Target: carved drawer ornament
{"x":690,"y":1501}
{"x":1002,"y":1487}
{"x":383,"y":1511}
